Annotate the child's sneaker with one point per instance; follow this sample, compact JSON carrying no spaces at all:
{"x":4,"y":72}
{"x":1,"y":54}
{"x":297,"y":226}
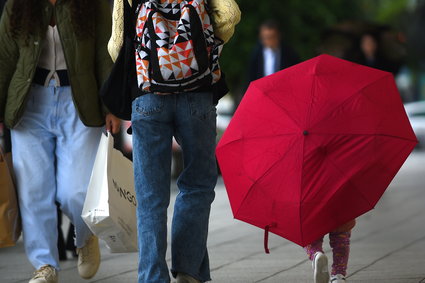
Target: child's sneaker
{"x":338,"y":278}
{"x":46,"y":274}
{"x":320,"y":268}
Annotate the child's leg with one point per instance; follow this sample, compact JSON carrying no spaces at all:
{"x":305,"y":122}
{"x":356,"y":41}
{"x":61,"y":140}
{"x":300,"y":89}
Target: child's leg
{"x":313,"y":248}
{"x":340,"y":244}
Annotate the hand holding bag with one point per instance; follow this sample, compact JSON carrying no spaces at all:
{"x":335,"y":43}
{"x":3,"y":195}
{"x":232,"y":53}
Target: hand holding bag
{"x":110,"y":206}
{"x":10,"y":222}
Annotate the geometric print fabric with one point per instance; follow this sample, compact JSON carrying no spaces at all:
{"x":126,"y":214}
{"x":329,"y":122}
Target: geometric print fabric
{"x":167,"y":33}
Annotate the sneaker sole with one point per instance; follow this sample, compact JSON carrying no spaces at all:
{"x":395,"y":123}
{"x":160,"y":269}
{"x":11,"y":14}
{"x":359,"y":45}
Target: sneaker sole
{"x":321,"y":272}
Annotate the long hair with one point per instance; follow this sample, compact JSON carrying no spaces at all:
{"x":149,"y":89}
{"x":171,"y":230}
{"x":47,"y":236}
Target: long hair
{"x":26,"y":18}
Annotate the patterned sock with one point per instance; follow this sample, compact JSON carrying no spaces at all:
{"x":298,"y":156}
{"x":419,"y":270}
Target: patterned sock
{"x":340,"y":244}
{"x":313,"y":248}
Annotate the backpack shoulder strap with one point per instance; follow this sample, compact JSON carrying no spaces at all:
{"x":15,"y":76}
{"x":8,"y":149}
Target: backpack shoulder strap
{"x":130,"y":17}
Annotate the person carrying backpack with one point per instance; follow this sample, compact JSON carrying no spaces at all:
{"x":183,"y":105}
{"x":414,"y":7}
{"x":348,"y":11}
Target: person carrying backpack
{"x":178,"y":44}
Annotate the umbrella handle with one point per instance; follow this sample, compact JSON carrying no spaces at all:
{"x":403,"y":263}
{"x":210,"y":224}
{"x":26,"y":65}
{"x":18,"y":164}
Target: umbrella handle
{"x":266,"y":237}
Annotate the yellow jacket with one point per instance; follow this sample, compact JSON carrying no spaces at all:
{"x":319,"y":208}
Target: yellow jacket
{"x":225,"y":15}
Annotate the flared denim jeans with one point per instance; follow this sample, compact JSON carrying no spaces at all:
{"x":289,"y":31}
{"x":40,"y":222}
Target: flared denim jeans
{"x":191,"y":119}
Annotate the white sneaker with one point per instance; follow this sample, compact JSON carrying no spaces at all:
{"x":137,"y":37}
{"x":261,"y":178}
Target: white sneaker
{"x":89,"y":258}
{"x":184,"y":278}
{"x":46,"y":274}
{"x":320,"y":268}
{"x":338,"y":279}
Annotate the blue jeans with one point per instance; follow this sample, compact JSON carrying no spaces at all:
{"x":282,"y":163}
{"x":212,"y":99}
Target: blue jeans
{"x":191,"y":119}
{"x":53,"y":156}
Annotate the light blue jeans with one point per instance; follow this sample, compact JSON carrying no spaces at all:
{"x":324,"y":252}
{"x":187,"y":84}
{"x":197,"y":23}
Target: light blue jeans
{"x":53,"y":155}
{"x":191,"y":119}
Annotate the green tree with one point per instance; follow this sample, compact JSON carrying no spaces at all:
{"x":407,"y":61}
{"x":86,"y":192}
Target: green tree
{"x":302,"y":23}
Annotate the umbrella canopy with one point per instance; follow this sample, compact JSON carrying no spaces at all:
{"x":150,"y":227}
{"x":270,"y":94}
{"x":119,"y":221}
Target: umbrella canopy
{"x":313,"y":147}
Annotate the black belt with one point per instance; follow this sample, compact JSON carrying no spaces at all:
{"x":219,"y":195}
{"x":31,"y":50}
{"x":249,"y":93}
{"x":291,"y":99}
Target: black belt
{"x":41,"y":76}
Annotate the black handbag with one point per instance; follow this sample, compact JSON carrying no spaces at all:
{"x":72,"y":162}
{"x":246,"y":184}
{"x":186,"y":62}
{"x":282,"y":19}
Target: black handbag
{"x":121,"y":86}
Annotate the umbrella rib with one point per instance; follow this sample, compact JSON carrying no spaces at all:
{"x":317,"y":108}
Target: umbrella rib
{"x":263,"y":152}
{"x":342,"y":173}
{"x":262,"y":137}
{"x":262,"y":118}
{"x":378,"y":135}
{"x":354,"y":185}
{"x":265,"y":174}
{"x":310,"y":107}
{"x":301,"y":185}
{"x":349,"y":99}
{"x":331,"y":161}
{"x":303,"y":157}
{"x":283,"y":109}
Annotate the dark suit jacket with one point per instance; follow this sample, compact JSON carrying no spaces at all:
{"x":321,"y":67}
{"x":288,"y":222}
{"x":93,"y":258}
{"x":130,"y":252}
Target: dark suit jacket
{"x":2,"y":3}
{"x":288,"y":58}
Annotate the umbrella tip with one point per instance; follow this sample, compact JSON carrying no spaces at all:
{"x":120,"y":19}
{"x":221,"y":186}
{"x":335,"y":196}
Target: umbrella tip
{"x":306,"y":133}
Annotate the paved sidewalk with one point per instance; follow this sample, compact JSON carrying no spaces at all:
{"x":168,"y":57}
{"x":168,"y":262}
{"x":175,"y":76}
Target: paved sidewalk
{"x":388,"y":245}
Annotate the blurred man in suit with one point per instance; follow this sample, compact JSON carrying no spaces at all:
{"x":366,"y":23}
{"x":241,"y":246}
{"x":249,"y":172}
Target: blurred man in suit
{"x":272,"y":54}
{"x":2,"y":2}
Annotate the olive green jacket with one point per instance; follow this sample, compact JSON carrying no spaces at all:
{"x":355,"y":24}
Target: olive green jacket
{"x":88,"y":62}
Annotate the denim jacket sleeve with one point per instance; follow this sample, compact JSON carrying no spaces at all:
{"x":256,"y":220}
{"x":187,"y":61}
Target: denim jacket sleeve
{"x":226,"y":15}
{"x":9,"y":54}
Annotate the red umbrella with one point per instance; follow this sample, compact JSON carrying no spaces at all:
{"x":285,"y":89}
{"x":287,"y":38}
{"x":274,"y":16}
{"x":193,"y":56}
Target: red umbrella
{"x":313,"y":147}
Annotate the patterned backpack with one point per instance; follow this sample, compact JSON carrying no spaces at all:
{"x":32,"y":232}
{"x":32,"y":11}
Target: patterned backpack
{"x":176,"y":50}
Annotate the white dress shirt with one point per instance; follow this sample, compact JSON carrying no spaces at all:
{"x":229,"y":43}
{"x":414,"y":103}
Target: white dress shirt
{"x":52,"y":57}
{"x":271,"y":60}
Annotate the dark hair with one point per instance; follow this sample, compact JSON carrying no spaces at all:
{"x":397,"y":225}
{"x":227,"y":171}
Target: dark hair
{"x":26,"y":18}
{"x":271,"y":24}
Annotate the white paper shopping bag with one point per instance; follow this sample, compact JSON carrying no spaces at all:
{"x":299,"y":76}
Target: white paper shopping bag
{"x":110,"y":206}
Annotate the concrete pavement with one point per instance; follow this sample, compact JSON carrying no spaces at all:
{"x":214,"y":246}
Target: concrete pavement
{"x":388,"y":245}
